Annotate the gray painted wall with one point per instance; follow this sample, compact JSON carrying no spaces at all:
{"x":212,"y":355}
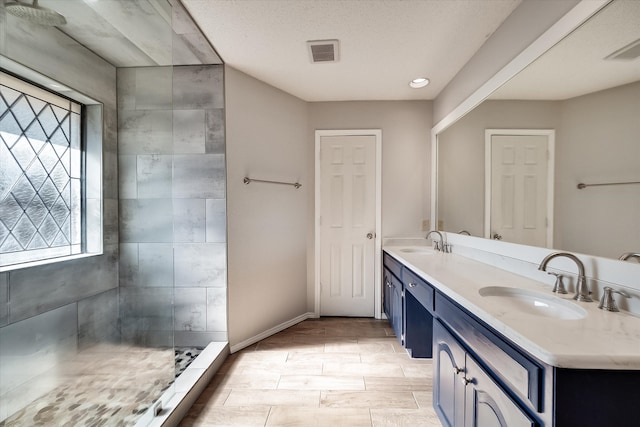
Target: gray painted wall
{"x":266,"y":139}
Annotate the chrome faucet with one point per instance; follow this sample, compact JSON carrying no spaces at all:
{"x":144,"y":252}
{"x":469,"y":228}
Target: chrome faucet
{"x":628,"y":255}
{"x":582,"y":291}
{"x":437,"y":245}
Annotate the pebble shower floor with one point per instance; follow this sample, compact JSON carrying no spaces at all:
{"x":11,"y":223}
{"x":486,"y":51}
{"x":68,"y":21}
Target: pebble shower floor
{"x":107,"y":385}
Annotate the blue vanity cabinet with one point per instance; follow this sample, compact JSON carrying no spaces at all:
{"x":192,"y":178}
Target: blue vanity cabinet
{"x":418,"y":315}
{"x":464,"y":394}
{"x":393,"y":295}
{"x":386,"y":292}
{"x":486,"y":404}
{"x":448,"y":388}
{"x":397,"y":315}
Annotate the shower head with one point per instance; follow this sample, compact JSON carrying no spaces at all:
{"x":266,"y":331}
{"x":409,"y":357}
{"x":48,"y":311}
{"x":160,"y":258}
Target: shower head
{"x":34,"y":13}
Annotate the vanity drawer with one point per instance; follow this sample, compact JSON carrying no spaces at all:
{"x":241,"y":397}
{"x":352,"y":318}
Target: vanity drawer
{"x":392,"y":264}
{"x":419,"y":288}
{"x":511,"y":367}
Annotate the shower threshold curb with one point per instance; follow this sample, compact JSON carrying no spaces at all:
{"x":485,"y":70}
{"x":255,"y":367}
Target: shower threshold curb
{"x":177,"y":399}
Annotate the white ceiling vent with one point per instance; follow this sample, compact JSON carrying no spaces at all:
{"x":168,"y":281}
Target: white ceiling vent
{"x":627,"y":53}
{"x":323,"y":50}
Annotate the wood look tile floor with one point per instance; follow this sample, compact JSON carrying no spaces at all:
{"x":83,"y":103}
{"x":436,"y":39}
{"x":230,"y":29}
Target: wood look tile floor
{"x":334,"y":372}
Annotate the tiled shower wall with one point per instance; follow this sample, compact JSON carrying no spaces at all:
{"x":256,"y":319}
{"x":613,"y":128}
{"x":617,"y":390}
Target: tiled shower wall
{"x":48,"y":313}
{"x":172,"y":204}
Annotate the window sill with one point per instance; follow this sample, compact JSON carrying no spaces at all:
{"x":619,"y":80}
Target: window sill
{"x":30,"y":264}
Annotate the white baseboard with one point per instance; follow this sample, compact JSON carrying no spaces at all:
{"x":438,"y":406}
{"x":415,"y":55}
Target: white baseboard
{"x":272,"y":331}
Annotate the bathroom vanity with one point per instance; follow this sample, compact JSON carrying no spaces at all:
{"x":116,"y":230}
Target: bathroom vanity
{"x":507,"y":351}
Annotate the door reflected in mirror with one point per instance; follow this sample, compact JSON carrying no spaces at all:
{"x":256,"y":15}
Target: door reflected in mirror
{"x":592,"y":102}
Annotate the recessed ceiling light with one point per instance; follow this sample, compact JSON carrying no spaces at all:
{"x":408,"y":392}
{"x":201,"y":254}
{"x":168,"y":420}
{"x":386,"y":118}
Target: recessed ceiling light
{"x":419,"y":82}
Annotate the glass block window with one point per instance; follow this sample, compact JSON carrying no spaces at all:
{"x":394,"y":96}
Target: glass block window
{"x":40,"y":174}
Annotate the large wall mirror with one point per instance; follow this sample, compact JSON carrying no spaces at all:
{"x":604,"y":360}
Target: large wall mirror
{"x":584,"y":95}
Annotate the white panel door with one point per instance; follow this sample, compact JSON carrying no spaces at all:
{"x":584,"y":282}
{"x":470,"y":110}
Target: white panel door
{"x":519,"y":189}
{"x":347,"y":225}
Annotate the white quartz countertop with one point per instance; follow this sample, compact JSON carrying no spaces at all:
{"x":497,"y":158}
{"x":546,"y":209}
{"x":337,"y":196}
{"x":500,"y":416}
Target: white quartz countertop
{"x":600,"y":340}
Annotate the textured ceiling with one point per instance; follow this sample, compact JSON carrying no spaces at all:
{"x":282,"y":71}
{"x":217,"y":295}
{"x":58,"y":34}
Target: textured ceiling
{"x":383,"y":43}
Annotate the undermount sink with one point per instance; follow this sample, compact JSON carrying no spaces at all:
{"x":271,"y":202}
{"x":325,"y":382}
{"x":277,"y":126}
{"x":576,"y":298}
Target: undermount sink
{"x":418,"y":250}
{"x":534,"y":303}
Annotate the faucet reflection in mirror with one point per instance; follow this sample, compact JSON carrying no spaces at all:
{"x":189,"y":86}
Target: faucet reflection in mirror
{"x":627,"y":256}
{"x":440,"y":245}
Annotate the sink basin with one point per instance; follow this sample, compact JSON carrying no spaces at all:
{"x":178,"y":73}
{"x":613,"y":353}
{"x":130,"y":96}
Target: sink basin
{"x":533,"y":302}
{"x":418,"y":250}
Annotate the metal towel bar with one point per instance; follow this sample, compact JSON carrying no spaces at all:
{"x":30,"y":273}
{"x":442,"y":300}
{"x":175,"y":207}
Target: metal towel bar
{"x":248,"y":180}
{"x":582,"y":185}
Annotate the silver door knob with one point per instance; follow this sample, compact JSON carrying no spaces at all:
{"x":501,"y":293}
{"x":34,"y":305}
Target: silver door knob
{"x":369,"y":236}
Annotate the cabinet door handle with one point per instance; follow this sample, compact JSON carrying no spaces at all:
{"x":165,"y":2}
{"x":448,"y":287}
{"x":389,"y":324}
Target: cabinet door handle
{"x":457,"y":370}
{"x":466,"y":381}
{"x":412,"y":285}
{"x":388,"y":283}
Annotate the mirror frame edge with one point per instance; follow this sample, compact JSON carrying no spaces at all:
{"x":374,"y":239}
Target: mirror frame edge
{"x":549,"y":38}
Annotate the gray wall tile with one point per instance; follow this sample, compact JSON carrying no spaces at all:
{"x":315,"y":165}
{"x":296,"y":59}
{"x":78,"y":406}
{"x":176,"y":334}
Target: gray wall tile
{"x":145,"y":132}
{"x":190,"y":309}
{"x":32,"y":346}
{"x":198,"y":87}
{"x":98,"y":319}
{"x":153,"y":88}
{"x":126,"y":84}
{"x":189,"y":220}
{"x":216,"y":309}
{"x":216,"y":220}
{"x":189,"y":131}
{"x":37,"y":290}
{"x":146,"y":315}
{"x":154,"y":176}
{"x":129,"y":264}
{"x":110,"y":221}
{"x":200,"y":264}
{"x":155,"y":266}
{"x":215,"y":132}
{"x":148,"y":220}
{"x":128,"y":187}
{"x":110,"y":152}
{"x":199,"y":176}
{"x":110,"y":175}
{"x":4,"y":298}
{"x":163,"y":239}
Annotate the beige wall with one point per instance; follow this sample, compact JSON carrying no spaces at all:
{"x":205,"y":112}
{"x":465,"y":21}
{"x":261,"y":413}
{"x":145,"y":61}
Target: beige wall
{"x":271,"y":135}
{"x":406,"y":154}
{"x":267,"y":224}
{"x":598,"y":142}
